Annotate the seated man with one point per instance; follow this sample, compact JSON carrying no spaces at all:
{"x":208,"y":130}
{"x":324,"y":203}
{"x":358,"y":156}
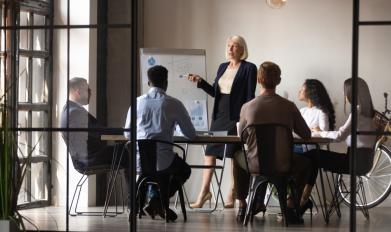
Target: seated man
{"x":269,"y":107}
{"x":157,"y":116}
{"x":85,"y":147}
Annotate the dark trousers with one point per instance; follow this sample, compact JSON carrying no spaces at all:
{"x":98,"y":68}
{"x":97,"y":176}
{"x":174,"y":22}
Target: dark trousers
{"x":338,"y":162}
{"x":301,"y":170}
{"x":173,"y":177}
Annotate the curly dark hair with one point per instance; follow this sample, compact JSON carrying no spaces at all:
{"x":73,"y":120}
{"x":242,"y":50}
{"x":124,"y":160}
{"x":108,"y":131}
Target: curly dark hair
{"x":317,"y":93}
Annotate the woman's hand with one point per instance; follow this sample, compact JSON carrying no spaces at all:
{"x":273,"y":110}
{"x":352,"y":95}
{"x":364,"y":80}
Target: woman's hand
{"x":194,"y":78}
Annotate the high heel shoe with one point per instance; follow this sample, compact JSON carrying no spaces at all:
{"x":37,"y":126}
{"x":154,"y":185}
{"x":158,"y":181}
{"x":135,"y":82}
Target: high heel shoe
{"x":231,"y":204}
{"x":241,"y":214}
{"x":257,"y":208}
{"x":292,"y":217}
{"x":201,"y":202}
{"x":308,"y":205}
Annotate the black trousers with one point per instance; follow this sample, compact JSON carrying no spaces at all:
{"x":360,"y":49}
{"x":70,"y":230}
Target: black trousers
{"x":338,"y":162}
{"x":179,"y":170}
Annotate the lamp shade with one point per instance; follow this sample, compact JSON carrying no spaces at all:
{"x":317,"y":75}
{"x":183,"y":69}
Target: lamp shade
{"x":275,"y":4}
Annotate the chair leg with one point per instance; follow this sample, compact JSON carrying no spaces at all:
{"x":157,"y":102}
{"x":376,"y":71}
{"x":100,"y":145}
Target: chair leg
{"x":140,"y":196}
{"x":282,"y":192}
{"x":254,"y":200}
{"x":182,"y":201}
{"x":270,"y":195}
{"x":78,"y":187}
{"x":165,"y":198}
{"x":250,"y":201}
{"x":363,"y":199}
{"x":296,"y":200}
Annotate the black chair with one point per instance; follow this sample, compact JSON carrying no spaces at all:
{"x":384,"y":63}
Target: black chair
{"x":150,"y":176}
{"x":342,"y":189}
{"x":342,"y":184}
{"x":270,"y":161}
{"x":112,"y":171}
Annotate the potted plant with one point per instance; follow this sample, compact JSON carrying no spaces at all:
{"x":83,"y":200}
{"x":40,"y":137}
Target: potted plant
{"x":12,"y":167}
{"x":10,"y":177}
{"x":12,"y":173}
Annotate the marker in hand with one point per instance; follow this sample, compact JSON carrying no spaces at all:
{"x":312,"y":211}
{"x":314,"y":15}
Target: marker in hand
{"x":194,"y":78}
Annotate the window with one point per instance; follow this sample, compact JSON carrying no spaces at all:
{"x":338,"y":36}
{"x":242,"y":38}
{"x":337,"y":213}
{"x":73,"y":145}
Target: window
{"x":25,"y":59}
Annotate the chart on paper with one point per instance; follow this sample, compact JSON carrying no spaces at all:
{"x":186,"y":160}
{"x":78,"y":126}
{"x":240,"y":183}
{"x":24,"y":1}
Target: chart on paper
{"x":179,"y":63}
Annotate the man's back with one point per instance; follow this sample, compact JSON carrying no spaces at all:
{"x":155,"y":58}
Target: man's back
{"x":157,"y":116}
{"x":275,"y":109}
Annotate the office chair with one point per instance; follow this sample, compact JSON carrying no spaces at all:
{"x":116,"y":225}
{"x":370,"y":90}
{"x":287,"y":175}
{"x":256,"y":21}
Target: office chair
{"x":112,"y":170}
{"x":150,"y":176}
{"x":271,"y":162}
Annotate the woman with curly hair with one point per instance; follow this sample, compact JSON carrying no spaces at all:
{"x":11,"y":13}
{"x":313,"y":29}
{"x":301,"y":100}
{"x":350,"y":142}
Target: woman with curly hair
{"x":319,"y":112}
{"x":320,"y":116}
{"x":340,"y":162}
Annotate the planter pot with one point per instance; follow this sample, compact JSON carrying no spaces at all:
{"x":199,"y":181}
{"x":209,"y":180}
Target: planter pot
{"x":8,"y":226}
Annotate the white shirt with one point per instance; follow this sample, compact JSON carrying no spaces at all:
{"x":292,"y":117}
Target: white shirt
{"x":314,"y":117}
{"x":343,"y":133}
{"x":227,"y":79}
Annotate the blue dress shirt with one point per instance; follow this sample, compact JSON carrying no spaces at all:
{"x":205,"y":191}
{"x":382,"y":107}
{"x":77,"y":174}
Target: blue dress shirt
{"x":157,"y":116}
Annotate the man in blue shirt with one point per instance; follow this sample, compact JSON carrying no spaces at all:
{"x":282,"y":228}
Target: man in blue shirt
{"x":157,"y":116}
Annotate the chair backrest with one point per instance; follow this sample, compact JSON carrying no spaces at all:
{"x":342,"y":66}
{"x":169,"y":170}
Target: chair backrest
{"x":82,"y":165}
{"x":147,"y":152}
{"x":148,"y":149}
{"x":270,"y":149}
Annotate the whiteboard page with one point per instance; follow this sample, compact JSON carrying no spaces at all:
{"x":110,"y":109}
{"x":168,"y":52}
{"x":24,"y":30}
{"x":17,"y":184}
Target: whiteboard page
{"x":179,"y":63}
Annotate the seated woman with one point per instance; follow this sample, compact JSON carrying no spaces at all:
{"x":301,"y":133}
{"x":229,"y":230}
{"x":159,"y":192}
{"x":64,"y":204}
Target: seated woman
{"x":339,"y":162}
{"x":318,"y":114}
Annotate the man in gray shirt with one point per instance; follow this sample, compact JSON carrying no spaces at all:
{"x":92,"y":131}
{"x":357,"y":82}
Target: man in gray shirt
{"x":157,"y":116}
{"x":86,"y":148}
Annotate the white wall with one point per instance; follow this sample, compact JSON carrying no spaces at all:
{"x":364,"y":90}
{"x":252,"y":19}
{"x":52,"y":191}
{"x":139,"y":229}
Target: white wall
{"x":82,"y":61}
{"x":307,"y":38}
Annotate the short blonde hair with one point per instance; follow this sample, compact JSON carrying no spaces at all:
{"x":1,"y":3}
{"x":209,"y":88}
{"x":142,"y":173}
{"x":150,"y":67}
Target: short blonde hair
{"x":242,"y":43}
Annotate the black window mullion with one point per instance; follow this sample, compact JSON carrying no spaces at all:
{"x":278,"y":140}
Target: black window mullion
{"x":34,"y":107}
{"x":29,"y":100}
{"x":29,"y":141}
{"x":30,"y":60}
{"x":35,"y":54}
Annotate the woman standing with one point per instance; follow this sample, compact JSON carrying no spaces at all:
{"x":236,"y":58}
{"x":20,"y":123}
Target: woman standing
{"x":234,"y":85}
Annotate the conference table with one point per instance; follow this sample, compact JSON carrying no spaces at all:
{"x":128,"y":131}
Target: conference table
{"x":200,"y":140}
{"x":205,"y":139}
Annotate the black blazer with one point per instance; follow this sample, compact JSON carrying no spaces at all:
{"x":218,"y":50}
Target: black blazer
{"x":243,"y":88}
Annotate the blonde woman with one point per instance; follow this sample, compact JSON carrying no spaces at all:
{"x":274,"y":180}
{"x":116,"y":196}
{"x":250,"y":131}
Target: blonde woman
{"x":234,"y":85}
